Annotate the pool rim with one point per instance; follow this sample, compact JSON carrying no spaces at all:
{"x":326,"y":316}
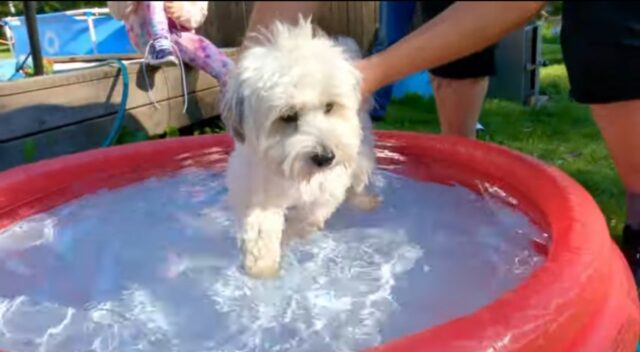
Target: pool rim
{"x":581,"y":259}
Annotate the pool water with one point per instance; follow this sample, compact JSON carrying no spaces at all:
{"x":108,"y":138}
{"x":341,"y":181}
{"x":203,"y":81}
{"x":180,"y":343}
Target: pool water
{"x":155,"y":266}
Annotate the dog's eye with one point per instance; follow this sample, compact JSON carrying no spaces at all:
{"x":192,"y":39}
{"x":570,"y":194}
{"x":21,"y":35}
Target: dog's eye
{"x":290,"y":118}
{"x":328,"y":107}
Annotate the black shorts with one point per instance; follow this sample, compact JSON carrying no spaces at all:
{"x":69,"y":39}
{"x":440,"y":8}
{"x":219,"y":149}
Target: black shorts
{"x":476,"y":65}
{"x":601,"y":49}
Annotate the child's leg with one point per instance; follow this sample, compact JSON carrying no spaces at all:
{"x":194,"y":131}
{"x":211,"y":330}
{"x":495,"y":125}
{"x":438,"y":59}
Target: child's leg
{"x":156,"y":24}
{"x":149,"y":24}
{"x":202,"y":54}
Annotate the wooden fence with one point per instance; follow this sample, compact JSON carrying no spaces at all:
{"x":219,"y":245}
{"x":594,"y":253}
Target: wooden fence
{"x":227,"y":21}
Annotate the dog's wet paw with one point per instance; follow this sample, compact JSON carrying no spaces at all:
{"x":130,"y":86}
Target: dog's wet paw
{"x":262,"y":255}
{"x":262,"y":266}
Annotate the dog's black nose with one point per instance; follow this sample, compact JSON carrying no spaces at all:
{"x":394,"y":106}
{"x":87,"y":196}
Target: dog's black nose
{"x":323,"y":158}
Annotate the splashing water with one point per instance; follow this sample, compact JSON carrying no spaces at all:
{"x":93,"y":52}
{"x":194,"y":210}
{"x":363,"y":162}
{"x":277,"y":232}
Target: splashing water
{"x":155,"y":267}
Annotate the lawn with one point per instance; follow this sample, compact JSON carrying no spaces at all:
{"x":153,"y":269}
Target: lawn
{"x":552,"y":53}
{"x":560,"y":132}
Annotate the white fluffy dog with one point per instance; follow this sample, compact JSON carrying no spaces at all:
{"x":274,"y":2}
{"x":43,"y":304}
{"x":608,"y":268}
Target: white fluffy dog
{"x":303,"y":141}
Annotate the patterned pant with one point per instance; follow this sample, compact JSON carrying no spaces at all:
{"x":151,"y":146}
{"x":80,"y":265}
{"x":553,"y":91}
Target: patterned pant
{"x":150,"y":22}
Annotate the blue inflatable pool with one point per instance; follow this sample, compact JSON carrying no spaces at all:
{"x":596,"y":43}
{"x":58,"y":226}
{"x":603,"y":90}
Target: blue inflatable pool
{"x":73,"y":33}
{"x":79,"y":34}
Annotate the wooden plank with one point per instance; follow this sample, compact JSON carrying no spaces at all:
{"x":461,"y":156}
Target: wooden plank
{"x":36,"y":83}
{"x":50,"y":108}
{"x":333,"y":17}
{"x":355,"y":19}
{"x":92,"y":58}
{"x":90,"y":134}
{"x":226,"y":23}
{"x":363,"y":21}
{"x":370,"y":15}
{"x":9,"y":89}
{"x":165,"y":82}
{"x":248,"y":8}
{"x":84,"y":99}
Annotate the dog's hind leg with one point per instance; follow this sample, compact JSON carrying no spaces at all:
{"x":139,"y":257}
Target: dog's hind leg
{"x":359,"y":194}
{"x":261,"y":238}
{"x":309,"y":218}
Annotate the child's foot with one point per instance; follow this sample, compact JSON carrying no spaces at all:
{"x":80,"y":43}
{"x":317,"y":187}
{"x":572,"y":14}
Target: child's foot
{"x":161,"y":52}
{"x":631,"y":249}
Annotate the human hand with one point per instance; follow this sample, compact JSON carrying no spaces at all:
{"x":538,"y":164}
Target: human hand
{"x":369,"y":74}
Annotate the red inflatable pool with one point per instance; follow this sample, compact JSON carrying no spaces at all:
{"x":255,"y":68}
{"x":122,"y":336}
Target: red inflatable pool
{"x":581,"y":299}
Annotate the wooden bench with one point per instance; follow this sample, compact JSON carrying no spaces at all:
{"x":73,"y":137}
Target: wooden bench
{"x":72,"y":112}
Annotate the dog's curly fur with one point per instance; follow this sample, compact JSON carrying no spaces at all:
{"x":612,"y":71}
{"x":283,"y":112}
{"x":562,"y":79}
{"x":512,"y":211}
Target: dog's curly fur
{"x":303,"y":141}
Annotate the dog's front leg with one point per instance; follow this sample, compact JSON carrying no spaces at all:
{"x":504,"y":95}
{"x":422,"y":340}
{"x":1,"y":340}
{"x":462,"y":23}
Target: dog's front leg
{"x":261,"y":241}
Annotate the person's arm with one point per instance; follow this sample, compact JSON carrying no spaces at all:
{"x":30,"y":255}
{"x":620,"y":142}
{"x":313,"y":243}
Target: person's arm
{"x":266,"y":12}
{"x":462,"y":29}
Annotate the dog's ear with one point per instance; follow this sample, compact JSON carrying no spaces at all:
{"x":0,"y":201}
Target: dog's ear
{"x":233,"y":109}
{"x":349,"y":46}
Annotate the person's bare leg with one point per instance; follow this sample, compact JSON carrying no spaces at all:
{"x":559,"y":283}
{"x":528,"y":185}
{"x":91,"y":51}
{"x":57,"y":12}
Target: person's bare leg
{"x":459,"y":102}
{"x":620,"y":126}
{"x":633,"y":210}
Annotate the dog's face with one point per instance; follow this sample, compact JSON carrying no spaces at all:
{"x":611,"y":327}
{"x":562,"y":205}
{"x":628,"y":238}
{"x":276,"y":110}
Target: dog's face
{"x":294,"y":101}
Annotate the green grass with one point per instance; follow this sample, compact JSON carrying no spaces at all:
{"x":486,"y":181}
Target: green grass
{"x":560,"y":132}
{"x":551,"y":49}
{"x":552,"y":53}
{"x":547,"y":34}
